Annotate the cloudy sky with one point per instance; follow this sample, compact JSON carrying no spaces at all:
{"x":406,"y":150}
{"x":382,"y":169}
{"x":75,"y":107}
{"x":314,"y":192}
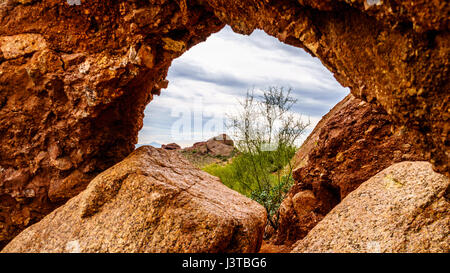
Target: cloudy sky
{"x":206,"y":83}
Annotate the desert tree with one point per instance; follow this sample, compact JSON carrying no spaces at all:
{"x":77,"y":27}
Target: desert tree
{"x":265,"y":131}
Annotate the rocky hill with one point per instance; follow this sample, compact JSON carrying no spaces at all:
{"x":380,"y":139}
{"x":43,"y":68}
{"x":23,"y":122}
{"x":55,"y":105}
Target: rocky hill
{"x":219,"y":149}
{"x":404,"y":208}
{"x":353,"y":142}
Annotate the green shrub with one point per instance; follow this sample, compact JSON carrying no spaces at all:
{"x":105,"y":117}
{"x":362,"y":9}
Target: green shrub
{"x":264,"y":131}
{"x":243,"y":176}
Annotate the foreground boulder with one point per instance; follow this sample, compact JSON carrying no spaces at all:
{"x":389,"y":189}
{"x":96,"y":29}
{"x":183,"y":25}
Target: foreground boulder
{"x":218,"y":146}
{"x":153,"y":201}
{"x":350,"y":144}
{"x":216,"y":150}
{"x":404,"y":208}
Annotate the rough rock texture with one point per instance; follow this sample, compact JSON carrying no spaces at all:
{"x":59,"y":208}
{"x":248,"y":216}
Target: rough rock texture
{"x":171,"y":146}
{"x":153,"y":201}
{"x":351,"y":143}
{"x":404,"y":208}
{"x":216,"y":150}
{"x":74,"y":79}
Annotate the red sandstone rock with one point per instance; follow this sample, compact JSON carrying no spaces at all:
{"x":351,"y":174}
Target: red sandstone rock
{"x":218,"y":148}
{"x":152,"y":201}
{"x":80,"y":76}
{"x":404,"y":208}
{"x":353,"y":142}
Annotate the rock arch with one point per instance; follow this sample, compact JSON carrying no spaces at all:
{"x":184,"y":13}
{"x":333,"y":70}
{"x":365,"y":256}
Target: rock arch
{"x":74,"y":79}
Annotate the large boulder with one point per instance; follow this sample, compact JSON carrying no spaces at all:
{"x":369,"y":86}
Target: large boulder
{"x":171,"y":146}
{"x":404,"y":208}
{"x":350,"y":144}
{"x":218,"y":148}
{"x":153,"y":201}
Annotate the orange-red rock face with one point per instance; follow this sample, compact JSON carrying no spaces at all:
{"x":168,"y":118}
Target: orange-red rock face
{"x":402,"y":209}
{"x":74,"y":79}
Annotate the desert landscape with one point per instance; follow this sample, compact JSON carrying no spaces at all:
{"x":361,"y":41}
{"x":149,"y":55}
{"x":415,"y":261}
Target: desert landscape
{"x":76,"y":77}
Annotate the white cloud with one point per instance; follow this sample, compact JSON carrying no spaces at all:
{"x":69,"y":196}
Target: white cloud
{"x":211,"y":77}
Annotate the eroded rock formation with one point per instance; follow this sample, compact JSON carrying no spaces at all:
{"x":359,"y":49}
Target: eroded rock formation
{"x":216,"y":150}
{"x":351,"y":143}
{"x":221,"y":145}
{"x":404,"y":208}
{"x":153,"y":201}
{"x":74,"y":79}
{"x":74,"y":83}
{"x":171,"y":146}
